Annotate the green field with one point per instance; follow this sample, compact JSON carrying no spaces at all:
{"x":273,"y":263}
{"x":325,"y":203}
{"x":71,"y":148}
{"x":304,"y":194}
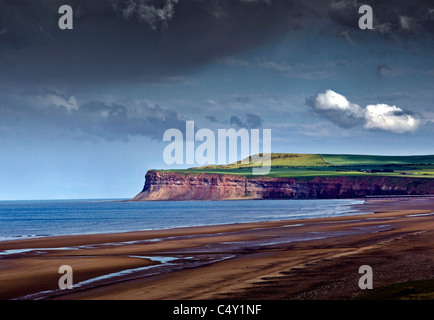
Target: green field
{"x":350,"y":160}
{"x":312,"y":165}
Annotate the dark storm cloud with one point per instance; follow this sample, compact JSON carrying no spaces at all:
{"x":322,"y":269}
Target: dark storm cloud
{"x":390,"y":16}
{"x":131,"y":40}
{"x":345,"y":12}
{"x":150,"y":41}
{"x":145,"y":40}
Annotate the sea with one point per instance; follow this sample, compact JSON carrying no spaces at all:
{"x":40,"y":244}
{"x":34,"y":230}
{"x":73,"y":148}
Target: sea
{"x":42,"y":218}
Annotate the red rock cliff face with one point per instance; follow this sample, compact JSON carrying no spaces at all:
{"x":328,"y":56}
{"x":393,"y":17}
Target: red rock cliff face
{"x":161,"y":185}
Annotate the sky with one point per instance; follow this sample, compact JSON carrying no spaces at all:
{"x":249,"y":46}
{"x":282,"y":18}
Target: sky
{"x":83,"y":111}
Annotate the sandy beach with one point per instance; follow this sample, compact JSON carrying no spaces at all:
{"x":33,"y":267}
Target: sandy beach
{"x":283,"y":260}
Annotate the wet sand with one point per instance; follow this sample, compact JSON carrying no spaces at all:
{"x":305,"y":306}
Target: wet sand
{"x":294,"y":259}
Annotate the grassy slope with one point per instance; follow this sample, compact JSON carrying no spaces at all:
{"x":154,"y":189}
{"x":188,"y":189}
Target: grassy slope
{"x":278,"y":159}
{"x":311,"y":165}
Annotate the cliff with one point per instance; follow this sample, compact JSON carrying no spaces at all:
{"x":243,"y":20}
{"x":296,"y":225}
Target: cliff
{"x":167,"y":185}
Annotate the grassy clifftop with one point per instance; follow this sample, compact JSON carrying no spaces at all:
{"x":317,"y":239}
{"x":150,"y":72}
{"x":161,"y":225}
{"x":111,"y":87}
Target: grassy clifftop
{"x":311,"y":165}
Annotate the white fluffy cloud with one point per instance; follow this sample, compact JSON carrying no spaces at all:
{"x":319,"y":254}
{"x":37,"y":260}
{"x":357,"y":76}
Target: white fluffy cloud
{"x":342,"y":112}
{"x":337,"y":109}
{"x":390,"y":118}
{"x":331,"y":100}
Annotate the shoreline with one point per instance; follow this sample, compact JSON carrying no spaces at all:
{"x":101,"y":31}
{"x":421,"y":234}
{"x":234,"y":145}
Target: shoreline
{"x":259,"y":260}
{"x":37,"y":236}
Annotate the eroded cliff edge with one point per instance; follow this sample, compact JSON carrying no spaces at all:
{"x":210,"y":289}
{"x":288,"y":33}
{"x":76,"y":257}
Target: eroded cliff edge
{"x":169,"y":185}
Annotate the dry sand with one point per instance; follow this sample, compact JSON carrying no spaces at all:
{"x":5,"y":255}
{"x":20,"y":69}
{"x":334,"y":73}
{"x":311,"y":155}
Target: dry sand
{"x":295,"y":259}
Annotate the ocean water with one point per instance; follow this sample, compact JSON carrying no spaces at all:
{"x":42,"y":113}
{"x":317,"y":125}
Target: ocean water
{"x":23,"y":219}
